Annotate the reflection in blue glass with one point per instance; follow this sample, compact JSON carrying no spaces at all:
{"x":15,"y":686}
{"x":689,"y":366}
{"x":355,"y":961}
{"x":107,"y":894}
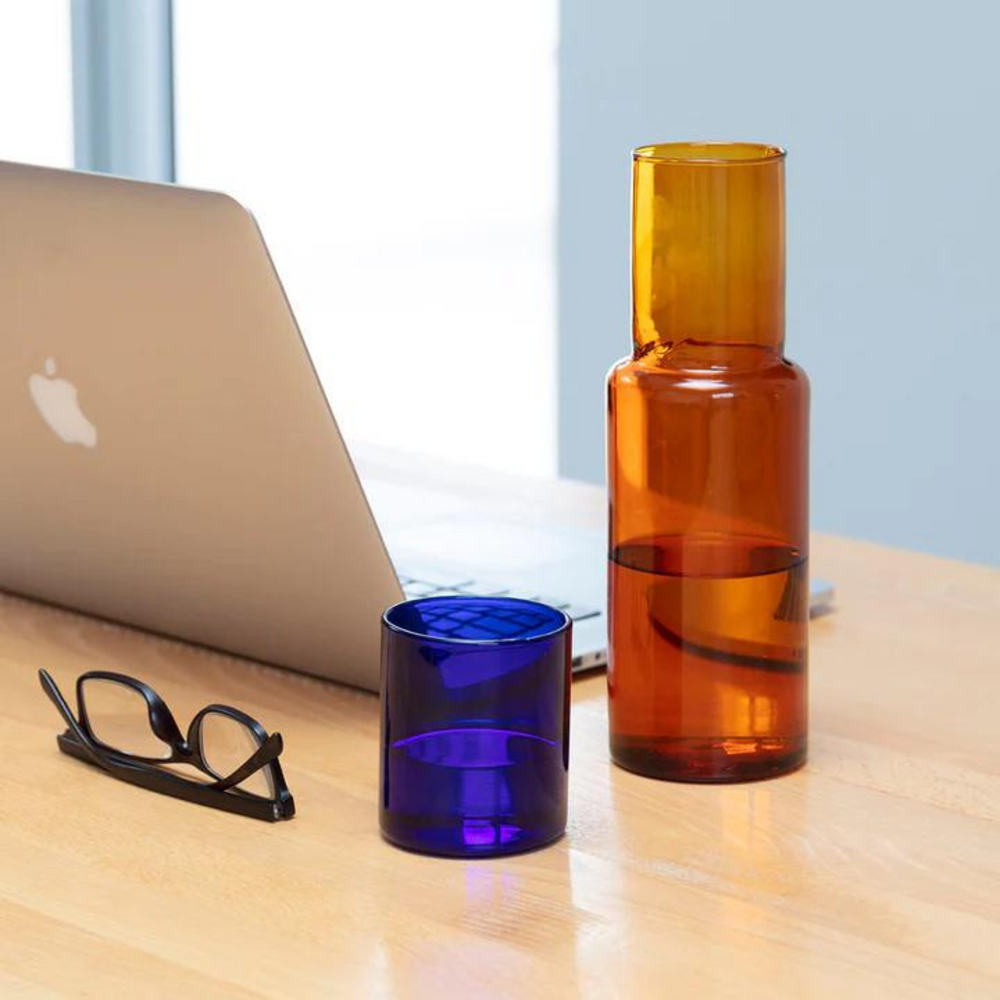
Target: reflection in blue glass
{"x":475,"y":725}
{"x":476,"y":619}
{"x":480,"y":747}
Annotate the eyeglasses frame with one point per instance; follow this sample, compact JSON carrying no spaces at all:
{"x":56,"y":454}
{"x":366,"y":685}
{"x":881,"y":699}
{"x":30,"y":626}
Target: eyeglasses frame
{"x":79,"y":741}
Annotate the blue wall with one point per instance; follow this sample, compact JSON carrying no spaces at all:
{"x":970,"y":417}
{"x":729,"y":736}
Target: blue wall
{"x":889,"y":113}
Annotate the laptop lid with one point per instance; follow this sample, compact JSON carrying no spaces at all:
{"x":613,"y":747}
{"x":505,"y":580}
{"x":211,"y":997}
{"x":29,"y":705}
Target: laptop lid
{"x":170,"y":460}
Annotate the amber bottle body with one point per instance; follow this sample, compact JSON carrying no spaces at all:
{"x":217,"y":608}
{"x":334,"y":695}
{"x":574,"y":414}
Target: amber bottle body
{"x":708,"y":481}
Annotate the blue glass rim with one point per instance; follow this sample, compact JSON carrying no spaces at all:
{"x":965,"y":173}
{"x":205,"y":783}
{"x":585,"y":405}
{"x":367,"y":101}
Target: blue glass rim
{"x":558,"y":620}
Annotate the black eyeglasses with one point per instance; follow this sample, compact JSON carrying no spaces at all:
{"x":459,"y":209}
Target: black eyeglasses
{"x":125,"y":727}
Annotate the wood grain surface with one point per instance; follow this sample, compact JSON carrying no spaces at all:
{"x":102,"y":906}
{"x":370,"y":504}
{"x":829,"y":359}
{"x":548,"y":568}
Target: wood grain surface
{"x":874,"y":872}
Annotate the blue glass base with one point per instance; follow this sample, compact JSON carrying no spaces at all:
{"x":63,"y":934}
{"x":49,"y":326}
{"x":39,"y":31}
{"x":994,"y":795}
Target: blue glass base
{"x":426,"y":838}
{"x":452,"y":793}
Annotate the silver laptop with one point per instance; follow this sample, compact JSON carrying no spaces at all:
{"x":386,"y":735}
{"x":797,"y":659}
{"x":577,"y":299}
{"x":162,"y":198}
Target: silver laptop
{"x":170,"y":460}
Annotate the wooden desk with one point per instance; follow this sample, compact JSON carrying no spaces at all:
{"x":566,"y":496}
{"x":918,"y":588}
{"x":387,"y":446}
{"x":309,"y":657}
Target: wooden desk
{"x":874,"y":872}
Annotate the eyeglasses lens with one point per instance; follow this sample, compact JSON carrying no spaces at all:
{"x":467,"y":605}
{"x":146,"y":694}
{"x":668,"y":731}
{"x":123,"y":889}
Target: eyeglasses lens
{"x":226,"y":744}
{"x":119,"y":718}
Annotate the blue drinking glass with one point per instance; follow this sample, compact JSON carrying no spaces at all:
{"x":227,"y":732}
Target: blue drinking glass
{"x":475,"y":725}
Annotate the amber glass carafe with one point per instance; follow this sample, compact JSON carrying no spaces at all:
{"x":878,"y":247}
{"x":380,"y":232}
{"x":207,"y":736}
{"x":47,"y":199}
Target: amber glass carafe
{"x":708,"y":468}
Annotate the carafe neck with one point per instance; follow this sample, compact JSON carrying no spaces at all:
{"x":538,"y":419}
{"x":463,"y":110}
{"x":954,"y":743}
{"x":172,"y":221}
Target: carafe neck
{"x":708,"y":247}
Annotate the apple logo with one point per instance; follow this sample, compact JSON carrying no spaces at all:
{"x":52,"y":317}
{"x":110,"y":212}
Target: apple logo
{"x":60,"y":409}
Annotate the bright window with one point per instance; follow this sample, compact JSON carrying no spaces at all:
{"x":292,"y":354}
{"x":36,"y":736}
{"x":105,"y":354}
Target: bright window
{"x":401,"y":161}
{"x":36,"y":97}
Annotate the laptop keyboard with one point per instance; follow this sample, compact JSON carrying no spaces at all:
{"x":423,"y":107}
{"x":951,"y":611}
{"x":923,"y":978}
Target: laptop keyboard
{"x":420,"y":586}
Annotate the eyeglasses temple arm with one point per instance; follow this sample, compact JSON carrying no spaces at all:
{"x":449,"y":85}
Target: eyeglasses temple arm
{"x":269,"y":750}
{"x":50,"y":687}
